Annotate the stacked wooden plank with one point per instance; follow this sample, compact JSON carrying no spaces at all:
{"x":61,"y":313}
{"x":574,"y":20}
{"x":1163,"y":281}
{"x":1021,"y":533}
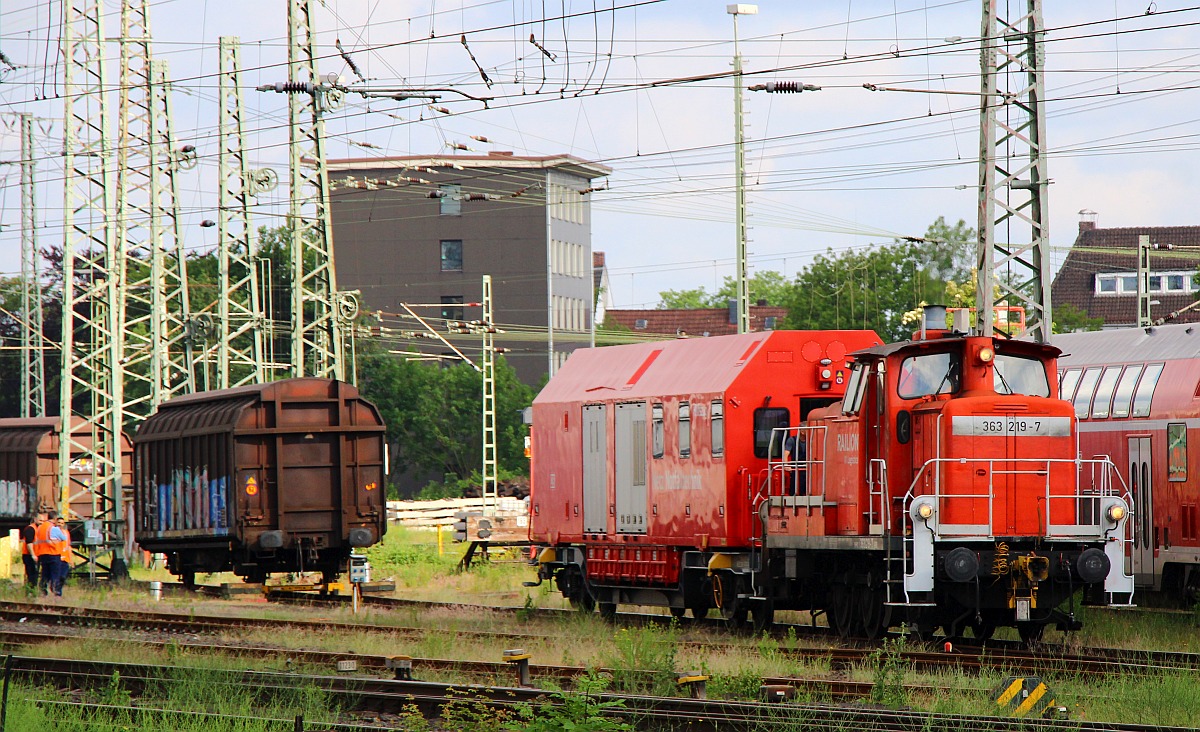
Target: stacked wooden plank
{"x":509,"y":514}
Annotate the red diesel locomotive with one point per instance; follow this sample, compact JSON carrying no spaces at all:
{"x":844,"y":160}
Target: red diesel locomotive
{"x":1137,"y":396}
{"x":934,"y":482}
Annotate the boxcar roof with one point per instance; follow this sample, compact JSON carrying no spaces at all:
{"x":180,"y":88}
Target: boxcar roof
{"x":1126,"y":345}
{"x":687,"y":366}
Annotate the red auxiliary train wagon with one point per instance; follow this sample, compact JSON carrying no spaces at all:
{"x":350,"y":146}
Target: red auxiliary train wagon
{"x":280,"y":477}
{"x":1136,"y":393}
{"x":933,"y":482}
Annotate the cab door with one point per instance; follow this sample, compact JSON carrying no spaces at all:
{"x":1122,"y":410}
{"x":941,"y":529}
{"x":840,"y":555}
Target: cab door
{"x":1141,"y":483}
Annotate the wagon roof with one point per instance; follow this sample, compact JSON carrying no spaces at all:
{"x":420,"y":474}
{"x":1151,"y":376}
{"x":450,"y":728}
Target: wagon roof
{"x":1130,"y":345}
{"x":694,"y":365}
{"x":24,"y":434}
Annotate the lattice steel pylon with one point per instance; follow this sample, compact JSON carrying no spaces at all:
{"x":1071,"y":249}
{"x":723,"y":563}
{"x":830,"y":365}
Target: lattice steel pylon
{"x":33,"y":336}
{"x":1012,"y":169}
{"x":488,"y":361}
{"x":90,"y":385}
{"x":317,"y":324}
{"x":240,"y":353}
{"x":156,"y":332}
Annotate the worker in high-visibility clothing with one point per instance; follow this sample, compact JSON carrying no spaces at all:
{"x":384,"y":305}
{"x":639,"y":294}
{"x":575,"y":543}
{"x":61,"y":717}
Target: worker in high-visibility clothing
{"x":28,"y":536}
{"x":64,"y":554}
{"x":46,"y":552}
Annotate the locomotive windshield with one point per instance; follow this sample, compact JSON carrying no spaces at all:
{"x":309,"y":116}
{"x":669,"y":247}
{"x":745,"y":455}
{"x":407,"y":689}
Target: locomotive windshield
{"x":928,"y":374}
{"x":1020,"y":375}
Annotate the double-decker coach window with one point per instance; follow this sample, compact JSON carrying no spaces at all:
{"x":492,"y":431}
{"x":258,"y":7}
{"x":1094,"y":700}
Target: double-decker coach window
{"x":766,"y":419}
{"x":1145,"y":390}
{"x":929,"y":373}
{"x":1123,"y":399}
{"x":1020,"y":375}
{"x":1087,"y":387}
{"x":1104,"y":392}
{"x":1067,"y":383}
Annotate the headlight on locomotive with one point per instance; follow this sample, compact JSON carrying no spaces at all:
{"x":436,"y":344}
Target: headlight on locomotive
{"x":1116,"y":512}
{"x":1093,"y":564}
{"x":921,"y":510}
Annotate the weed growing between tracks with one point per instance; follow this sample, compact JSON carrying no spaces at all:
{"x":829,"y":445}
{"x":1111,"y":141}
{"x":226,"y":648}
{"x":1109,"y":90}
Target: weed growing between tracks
{"x":202,"y":691}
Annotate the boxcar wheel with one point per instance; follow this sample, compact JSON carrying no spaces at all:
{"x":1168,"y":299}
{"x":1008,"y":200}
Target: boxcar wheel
{"x":608,"y":610}
{"x":982,"y":630}
{"x":188,"y":579}
{"x":583,"y":601}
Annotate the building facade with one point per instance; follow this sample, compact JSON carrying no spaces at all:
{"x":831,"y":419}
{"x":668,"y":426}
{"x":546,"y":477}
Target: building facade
{"x":422,"y":231}
{"x":1099,"y":275}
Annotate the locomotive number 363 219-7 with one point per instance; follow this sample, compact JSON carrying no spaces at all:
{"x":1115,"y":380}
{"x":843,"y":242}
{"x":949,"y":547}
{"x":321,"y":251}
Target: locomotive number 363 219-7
{"x":1012,"y":426}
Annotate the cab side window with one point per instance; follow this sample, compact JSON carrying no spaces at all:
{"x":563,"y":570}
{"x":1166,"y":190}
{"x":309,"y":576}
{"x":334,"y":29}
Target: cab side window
{"x":766,"y":419}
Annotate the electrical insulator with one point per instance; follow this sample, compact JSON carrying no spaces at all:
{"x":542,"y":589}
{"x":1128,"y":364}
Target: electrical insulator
{"x":480,"y":138}
{"x":435,"y":194}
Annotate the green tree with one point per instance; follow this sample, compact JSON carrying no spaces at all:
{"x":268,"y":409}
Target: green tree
{"x":871,"y":288}
{"x":433,"y":412}
{"x":1070,"y":319}
{"x":767,"y":285}
{"x":947,"y":254}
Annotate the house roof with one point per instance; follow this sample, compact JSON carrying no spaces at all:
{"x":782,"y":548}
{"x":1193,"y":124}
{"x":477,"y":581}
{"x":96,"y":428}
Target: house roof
{"x":698,"y":322}
{"x":493,"y":160}
{"x":1098,"y":251}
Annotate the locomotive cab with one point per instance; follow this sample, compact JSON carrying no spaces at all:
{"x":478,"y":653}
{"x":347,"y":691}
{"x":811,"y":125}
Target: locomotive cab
{"x":970,"y":464}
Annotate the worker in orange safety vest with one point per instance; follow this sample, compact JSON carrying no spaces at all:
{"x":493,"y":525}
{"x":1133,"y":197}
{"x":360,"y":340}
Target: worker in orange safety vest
{"x":28,"y":536}
{"x":47,"y":547}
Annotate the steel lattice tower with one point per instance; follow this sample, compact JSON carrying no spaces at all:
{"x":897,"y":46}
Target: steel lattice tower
{"x":155,"y":334}
{"x":316,"y":322}
{"x":488,"y":361}
{"x":240,"y":321}
{"x":33,"y":337}
{"x":90,"y":383}
{"x":1012,"y":172}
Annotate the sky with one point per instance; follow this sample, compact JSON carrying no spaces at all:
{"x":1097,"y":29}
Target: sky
{"x":615,"y":81}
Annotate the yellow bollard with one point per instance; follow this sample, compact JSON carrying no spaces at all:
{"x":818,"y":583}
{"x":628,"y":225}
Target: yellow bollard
{"x":441,"y":549}
{"x":6,"y":551}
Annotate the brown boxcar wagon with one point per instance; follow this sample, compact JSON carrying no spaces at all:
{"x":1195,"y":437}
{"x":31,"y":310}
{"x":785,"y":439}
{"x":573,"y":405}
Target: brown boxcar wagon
{"x":280,"y":477}
{"x":29,"y":471}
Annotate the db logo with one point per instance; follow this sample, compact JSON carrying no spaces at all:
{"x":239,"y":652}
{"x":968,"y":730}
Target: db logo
{"x":251,"y":486}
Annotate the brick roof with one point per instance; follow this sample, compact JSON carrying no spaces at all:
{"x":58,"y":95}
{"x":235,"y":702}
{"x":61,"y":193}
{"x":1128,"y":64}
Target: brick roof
{"x":699,"y":322}
{"x":1076,"y":279}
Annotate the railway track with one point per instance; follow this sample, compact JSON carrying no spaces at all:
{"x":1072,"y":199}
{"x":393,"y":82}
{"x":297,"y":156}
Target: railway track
{"x":825,"y":689}
{"x":361,"y":695}
{"x":1047,"y":661}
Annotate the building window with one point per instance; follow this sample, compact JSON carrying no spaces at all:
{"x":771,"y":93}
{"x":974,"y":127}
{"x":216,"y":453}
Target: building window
{"x":452,"y":255}
{"x":1128,"y":283}
{"x":718,"y":428}
{"x":452,"y":313}
{"x":685,"y":429}
{"x":640,"y":324}
{"x":451,"y":199}
{"x":1125,"y":283}
{"x":1106,"y":284}
{"x":1174,"y":283}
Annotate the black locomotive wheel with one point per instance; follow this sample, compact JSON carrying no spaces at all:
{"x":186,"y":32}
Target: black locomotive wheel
{"x":725,"y":597}
{"x":875,"y":616}
{"x":842,"y":611}
{"x":188,"y":579}
{"x":699,"y":612}
{"x":608,"y":610}
{"x":678,"y":612}
{"x":1030,"y":632}
{"x":583,"y":601}
{"x":763,"y":615}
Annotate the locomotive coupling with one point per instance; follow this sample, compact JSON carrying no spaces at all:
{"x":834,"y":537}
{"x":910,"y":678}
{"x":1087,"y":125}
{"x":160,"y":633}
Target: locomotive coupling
{"x":1033,"y":568}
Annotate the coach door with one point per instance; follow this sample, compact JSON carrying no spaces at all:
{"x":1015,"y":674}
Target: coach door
{"x":1141,"y":483}
{"x":630,"y":466}
{"x":595,"y":468}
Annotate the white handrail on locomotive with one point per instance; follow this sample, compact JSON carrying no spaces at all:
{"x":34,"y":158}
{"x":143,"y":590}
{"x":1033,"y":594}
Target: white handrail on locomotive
{"x":785,"y":467}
